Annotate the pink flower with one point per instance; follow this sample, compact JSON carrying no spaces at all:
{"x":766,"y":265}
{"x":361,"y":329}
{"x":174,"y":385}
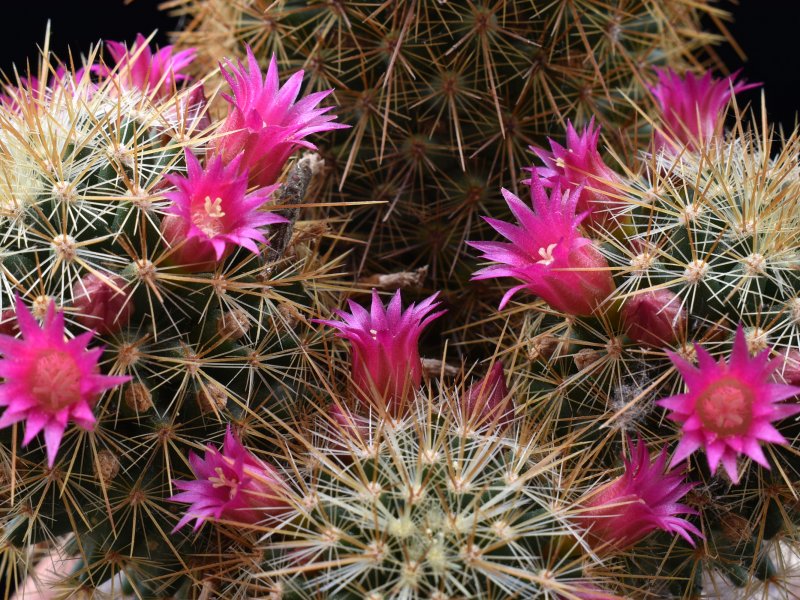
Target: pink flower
{"x":642,"y":500}
{"x":729,"y":408}
{"x":34,"y":90}
{"x":211,"y":211}
{"x":580,"y":164}
{"x":30,"y":89}
{"x":386,"y":366}
{"x":156,"y":74}
{"x":654,"y":318}
{"x":231,"y":484}
{"x":488,"y":401}
{"x":49,"y":380}
{"x":691,"y":107}
{"x":547,"y":253}
{"x":100,"y":306}
{"x":265,"y":123}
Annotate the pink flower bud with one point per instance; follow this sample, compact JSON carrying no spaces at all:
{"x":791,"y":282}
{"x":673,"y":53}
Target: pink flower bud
{"x":654,"y":318}
{"x":354,"y":427}
{"x":102,"y":304}
{"x":348,"y":434}
{"x":588,"y":591}
{"x":580,"y":164}
{"x":789,"y":368}
{"x":692,"y":107}
{"x":487,"y":401}
{"x":386,"y":366}
{"x":138,"y":67}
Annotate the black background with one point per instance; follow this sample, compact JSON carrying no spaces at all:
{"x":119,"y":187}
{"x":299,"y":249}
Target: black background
{"x":767,"y":31}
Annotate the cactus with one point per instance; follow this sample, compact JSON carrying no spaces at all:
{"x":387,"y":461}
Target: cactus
{"x":445,"y":98}
{"x":421,"y":507}
{"x":163,"y":316}
{"x":700,"y":238}
{"x":175,"y":425}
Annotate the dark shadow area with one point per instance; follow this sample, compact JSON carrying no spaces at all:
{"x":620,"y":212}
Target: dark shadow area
{"x":76,"y":25}
{"x":767,"y":33}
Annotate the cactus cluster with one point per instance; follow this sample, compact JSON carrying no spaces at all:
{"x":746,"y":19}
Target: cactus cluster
{"x":445,"y":98}
{"x":608,"y":409}
{"x":165,"y":313}
{"x":669,"y":314}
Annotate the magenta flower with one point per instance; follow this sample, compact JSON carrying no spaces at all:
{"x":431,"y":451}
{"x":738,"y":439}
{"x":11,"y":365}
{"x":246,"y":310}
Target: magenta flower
{"x":386,"y":366}
{"x":49,"y":380}
{"x":265,"y":123}
{"x":34,"y":90}
{"x":231,"y":484}
{"x":654,"y":318}
{"x":580,"y":164}
{"x":692,"y":107}
{"x":156,"y":74}
{"x":30,"y":89}
{"x":645,"y":498}
{"x":547,"y":253}
{"x":488,"y":401}
{"x":212,"y":212}
{"x":729,"y":408}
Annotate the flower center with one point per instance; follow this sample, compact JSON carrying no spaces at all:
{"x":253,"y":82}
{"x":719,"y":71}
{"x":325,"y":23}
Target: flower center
{"x":55,"y":380}
{"x":725,"y":407}
{"x":209,"y":219}
{"x":222,"y":481}
{"x":546,"y":254}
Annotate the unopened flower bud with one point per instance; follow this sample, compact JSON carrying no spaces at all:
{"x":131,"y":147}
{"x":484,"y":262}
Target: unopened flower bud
{"x":654,"y":318}
{"x":102,"y":304}
{"x":583,"y":590}
{"x":349,"y":425}
{"x":386,"y":366}
{"x":488,"y":401}
{"x":542,"y":347}
{"x":586,"y":357}
{"x":790,"y":369}
{"x":288,"y":316}
{"x":735,"y":528}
